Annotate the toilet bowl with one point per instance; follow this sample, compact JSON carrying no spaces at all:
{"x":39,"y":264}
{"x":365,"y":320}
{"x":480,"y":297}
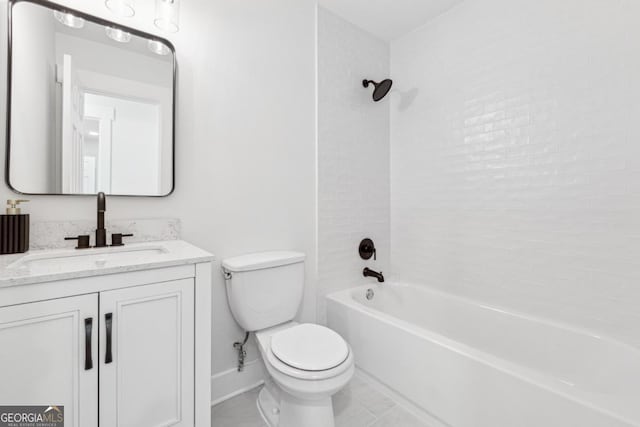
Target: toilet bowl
{"x":307,"y":363}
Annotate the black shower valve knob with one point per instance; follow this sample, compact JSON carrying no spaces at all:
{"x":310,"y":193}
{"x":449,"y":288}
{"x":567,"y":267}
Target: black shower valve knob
{"x":367,"y":249}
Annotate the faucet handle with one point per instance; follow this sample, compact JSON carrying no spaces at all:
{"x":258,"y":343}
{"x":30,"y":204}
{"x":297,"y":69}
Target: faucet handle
{"x":367,"y":249}
{"x":83,"y":241}
{"x":116,"y":238}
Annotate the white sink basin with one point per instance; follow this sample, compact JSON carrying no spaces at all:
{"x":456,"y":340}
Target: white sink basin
{"x":79,"y":259}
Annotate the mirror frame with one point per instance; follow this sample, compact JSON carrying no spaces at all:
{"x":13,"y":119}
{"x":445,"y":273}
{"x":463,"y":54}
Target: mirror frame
{"x":103,"y":22}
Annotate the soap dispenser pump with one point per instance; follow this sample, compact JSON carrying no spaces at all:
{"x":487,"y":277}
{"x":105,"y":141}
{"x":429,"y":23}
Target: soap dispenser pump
{"x":14,"y":229}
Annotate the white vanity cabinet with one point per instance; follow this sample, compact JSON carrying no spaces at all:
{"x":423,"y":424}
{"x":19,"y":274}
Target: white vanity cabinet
{"x":146,"y":355}
{"x":43,"y":359}
{"x":127,"y":348}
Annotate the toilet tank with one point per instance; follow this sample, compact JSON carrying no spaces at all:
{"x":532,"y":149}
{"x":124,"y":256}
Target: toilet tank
{"x":264,"y":289}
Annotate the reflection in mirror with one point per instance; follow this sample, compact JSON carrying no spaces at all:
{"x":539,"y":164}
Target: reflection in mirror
{"x":91,"y":106}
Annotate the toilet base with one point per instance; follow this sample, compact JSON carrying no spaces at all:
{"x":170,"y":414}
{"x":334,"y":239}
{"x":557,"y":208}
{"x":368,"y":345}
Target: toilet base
{"x":269,"y":405}
{"x":280,"y":409}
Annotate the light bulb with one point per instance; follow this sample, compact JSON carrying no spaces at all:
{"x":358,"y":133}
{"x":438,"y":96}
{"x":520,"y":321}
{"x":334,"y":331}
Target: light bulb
{"x":121,"y":7}
{"x":118,"y":35}
{"x":158,"y":47}
{"x":68,"y":19}
{"x":167,"y":15}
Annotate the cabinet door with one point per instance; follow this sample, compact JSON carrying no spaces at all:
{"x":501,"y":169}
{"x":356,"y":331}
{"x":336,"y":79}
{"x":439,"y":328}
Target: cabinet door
{"x":48,"y":356}
{"x":147,"y":356}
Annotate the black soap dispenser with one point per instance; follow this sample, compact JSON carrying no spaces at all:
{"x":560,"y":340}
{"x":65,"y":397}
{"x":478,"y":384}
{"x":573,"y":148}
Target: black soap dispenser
{"x":14,"y":229}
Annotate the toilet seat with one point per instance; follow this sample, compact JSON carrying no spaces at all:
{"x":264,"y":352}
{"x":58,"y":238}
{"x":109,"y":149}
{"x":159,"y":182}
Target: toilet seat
{"x":309,"y":347}
{"x":264,"y":339}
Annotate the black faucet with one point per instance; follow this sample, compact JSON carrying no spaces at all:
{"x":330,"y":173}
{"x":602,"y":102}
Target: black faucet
{"x":367,"y":272}
{"x":101,"y":233}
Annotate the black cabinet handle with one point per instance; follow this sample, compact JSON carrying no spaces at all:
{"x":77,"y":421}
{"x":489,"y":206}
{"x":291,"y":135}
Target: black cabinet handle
{"x":108,"y":358}
{"x":88,"y":326}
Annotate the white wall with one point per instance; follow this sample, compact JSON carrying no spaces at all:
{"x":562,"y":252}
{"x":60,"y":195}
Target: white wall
{"x":36,"y":82}
{"x":353,"y":154}
{"x":256,"y":166}
{"x":245,"y":148}
{"x":516,"y":158}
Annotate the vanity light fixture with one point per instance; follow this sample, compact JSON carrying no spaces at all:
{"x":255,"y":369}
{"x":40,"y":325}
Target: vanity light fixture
{"x":68,"y":19}
{"x":158,"y":47}
{"x":167,"y":15}
{"x":121,"y":7}
{"x":118,"y":35}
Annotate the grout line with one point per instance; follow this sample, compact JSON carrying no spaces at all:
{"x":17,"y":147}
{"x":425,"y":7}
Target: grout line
{"x":371,"y":390}
{"x":405,"y":406}
{"x":395,"y":406}
{"x":375,"y":420}
{"x":375,"y":417}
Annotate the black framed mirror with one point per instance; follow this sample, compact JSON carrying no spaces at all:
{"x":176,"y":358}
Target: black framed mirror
{"x":90,"y":105}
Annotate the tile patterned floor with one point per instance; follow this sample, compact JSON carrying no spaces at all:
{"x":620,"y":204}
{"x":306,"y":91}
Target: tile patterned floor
{"x":357,"y":405}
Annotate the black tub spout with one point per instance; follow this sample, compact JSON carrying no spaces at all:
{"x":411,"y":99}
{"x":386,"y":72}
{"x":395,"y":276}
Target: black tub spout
{"x":367,"y":272}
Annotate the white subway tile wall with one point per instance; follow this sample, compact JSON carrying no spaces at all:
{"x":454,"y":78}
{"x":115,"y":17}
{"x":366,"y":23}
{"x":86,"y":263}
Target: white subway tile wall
{"x":353,"y":155}
{"x":515,"y":158}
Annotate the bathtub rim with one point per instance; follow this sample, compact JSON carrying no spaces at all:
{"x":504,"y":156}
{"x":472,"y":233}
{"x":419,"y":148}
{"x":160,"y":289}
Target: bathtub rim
{"x":344,"y":295}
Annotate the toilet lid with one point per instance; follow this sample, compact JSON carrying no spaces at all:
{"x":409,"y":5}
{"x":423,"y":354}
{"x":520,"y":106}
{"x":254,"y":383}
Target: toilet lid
{"x":309,"y":347}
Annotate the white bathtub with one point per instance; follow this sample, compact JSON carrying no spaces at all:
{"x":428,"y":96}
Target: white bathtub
{"x":471,"y":365}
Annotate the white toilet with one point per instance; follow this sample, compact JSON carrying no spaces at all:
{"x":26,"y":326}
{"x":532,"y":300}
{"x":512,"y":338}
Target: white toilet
{"x":307,"y":363}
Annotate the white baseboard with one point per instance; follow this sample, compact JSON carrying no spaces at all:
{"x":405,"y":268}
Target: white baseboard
{"x":230,"y":383}
{"x":402,"y":401}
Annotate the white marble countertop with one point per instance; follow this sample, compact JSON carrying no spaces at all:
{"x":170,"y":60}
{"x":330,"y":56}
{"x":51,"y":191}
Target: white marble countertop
{"x":49,"y":265}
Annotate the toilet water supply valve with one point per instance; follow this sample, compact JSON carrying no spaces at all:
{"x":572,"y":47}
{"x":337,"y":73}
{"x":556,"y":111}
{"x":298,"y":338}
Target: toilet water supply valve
{"x":242,"y":353}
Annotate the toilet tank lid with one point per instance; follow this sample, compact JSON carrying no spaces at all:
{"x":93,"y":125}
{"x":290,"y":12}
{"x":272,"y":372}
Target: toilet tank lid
{"x":261,"y":260}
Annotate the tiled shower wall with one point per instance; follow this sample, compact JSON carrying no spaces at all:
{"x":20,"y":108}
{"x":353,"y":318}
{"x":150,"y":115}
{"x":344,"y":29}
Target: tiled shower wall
{"x":515,"y":166}
{"x":353,"y":155}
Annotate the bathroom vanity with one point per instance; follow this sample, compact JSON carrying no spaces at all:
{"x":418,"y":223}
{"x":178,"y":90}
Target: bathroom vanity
{"x":118,"y":336}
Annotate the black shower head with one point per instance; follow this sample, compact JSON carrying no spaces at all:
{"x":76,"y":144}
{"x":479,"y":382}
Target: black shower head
{"x":381,"y":89}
